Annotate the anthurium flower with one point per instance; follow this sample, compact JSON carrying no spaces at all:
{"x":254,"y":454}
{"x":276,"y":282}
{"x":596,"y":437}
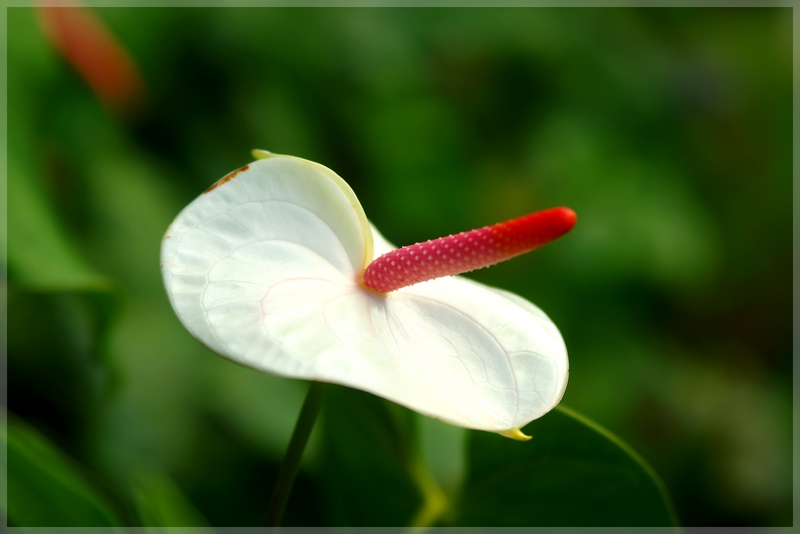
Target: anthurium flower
{"x":272,"y":267}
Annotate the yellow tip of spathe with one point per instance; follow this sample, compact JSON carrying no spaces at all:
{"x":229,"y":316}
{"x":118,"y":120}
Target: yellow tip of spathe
{"x":261,"y":154}
{"x":515,"y":433}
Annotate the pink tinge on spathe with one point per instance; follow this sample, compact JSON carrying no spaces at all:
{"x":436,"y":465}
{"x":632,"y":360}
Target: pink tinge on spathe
{"x":467,"y":251}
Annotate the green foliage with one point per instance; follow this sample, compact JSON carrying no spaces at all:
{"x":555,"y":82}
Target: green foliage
{"x":509,"y":485}
{"x":46,"y":488}
{"x":161,"y":504}
{"x":368,"y":446}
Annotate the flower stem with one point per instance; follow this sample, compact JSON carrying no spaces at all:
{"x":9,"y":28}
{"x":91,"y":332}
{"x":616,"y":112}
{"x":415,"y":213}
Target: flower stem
{"x":294,"y":453}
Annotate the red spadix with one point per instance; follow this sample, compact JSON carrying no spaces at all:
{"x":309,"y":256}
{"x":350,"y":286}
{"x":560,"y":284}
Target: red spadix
{"x":467,"y":251}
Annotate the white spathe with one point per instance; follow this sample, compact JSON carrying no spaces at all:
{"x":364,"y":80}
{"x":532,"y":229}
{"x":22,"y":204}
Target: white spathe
{"x":265,"y":268}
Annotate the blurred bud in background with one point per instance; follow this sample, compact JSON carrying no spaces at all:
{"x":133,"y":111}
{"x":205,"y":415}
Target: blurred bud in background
{"x":88,"y":45}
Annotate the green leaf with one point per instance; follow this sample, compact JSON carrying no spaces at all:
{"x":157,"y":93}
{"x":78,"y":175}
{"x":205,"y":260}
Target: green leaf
{"x":42,"y":257}
{"x":42,"y":248}
{"x":161,"y":503}
{"x":47,"y":488}
{"x":572,"y":473}
{"x":368,"y":464}
{"x":40,"y":253}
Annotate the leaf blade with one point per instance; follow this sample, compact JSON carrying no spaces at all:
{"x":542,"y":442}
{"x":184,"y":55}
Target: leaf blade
{"x":46,"y":488}
{"x":573,"y":473}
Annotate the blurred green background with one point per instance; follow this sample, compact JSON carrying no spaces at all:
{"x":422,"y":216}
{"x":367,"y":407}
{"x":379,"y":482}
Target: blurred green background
{"x":667,"y":130}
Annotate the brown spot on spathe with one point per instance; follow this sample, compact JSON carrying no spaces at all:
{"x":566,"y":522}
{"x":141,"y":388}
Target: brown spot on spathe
{"x":226,"y":178}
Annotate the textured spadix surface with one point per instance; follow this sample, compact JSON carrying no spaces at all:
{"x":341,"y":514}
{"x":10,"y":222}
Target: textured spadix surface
{"x":264,"y":268}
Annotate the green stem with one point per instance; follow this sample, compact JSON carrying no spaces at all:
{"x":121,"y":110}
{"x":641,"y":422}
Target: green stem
{"x":294,"y":453}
